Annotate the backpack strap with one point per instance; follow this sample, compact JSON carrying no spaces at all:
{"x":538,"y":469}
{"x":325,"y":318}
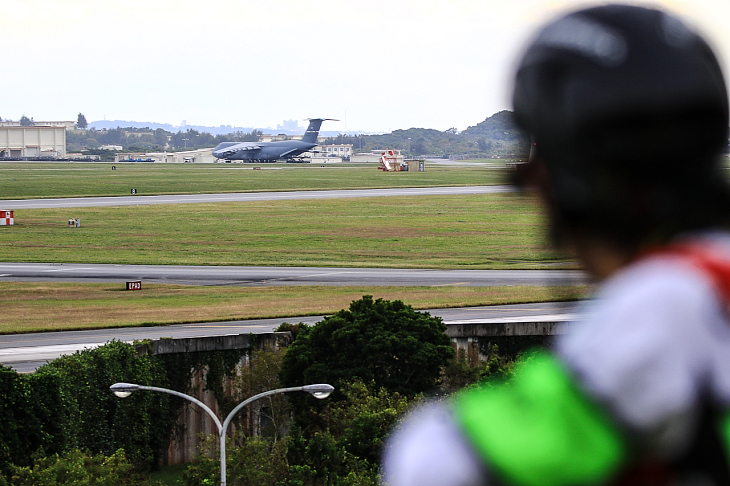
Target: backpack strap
{"x":703,"y":257}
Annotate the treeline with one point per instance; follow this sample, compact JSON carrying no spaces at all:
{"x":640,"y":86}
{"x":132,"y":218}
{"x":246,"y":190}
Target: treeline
{"x":497,"y":136}
{"x":382,"y":357}
{"x":146,"y":140}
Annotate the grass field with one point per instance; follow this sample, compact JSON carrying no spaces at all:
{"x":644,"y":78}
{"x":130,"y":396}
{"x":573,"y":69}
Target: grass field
{"x":31,"y":307}
{"x":491,"y":231}
{"x":34,"y":180}
{"x":466,"y":232}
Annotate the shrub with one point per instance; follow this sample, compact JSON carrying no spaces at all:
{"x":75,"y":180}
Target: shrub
{"x":386,"y":343}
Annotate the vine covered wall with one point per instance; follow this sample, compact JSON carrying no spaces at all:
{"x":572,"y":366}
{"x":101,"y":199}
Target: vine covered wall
{"x":66,"y":405}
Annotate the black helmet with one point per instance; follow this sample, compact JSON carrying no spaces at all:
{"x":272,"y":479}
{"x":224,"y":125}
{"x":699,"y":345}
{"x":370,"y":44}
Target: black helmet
{"x":628,"y":108}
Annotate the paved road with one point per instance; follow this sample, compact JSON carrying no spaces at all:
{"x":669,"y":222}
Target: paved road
{"x":85,"y":202}
{"x":268,"y":276}
{"x":26,"y":352}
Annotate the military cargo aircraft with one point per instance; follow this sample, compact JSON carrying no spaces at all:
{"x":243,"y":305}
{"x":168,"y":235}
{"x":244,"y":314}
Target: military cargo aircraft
{"x":270,"y":151}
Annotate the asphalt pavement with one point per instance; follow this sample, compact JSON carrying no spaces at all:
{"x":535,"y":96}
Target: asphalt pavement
{"x":139,"y":200}
{"x":26,"y":352}
{"x":279,"y":276}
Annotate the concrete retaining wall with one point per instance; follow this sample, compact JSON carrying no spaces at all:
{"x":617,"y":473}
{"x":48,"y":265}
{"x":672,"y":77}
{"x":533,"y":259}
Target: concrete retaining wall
{"x":193,"y":424}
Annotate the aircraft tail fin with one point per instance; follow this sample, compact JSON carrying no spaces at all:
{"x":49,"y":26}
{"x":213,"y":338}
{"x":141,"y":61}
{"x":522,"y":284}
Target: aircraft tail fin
{"x":310,"y":136}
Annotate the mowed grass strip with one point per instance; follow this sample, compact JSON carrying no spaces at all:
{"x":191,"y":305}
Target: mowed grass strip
{"x":34,"y":307}
{"x":35,"y":180}
{"x":467,"y":232}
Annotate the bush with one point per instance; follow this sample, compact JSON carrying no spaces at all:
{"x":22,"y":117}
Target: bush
{"x":250,"y":461}
{"x":19,"y":429}
{"x":79,"y":469}
{"x":66,"y":406}
{"x":386,"y":343}
{"x":93,"y":417}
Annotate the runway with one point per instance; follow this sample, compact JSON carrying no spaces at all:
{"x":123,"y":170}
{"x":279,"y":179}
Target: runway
{"x":280,"y":276}
{"x":87,"y":202}
{"x":26,"y":352}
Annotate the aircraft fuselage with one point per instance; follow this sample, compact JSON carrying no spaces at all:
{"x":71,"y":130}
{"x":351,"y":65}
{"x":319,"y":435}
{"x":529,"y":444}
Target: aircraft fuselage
{"x":263,"y":151}
{"x":270,"y":151}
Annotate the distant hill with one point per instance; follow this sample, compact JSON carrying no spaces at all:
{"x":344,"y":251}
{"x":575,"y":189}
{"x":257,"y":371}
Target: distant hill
{"x":496,"y":136}
{"x":500,"y":126}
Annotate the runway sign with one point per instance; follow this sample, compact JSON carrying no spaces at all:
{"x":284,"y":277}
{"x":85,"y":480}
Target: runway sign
{"x":6,"y":218}
{"x":134,"y":285}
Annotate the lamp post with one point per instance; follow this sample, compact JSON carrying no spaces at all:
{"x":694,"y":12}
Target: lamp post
{"x":320,"y":391}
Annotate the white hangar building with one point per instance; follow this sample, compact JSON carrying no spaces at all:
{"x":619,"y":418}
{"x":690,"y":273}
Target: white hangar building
{"x":33,"y":141}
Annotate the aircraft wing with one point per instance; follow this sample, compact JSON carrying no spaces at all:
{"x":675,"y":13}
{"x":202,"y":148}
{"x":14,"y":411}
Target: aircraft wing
{"x":247,"y":146}
{"x":237,"y":148}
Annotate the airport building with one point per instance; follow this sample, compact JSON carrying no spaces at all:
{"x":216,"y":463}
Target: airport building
{"x":343,"y":151}
{"x":204,"y":156}
{"x":68,"y":125}
{"x":33,"y":141}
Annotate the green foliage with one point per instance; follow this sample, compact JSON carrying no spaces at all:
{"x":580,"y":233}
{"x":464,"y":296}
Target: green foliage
{"x":341,"y":448}
{"x":217,"y":367}
{"x":17,"y":424}
{"x":363,"y":419}
{"x":67,"y":405}
{"x":262,"y":374}
{"x":467,"y":369}
{"x":52,"y":409}
{"x":145,"y":139}
{"x":79,"y":469}
{"x":384,"y":342}
{"x":97,"y":419}
{"x":250,"y":461}
{"x":497,"y":135}
{"x":345,"y":446}
{"x":25,"y":121}
{"x":81,"y":122}
{"x":500,"y":126}
{"x":292,"y":328}
{"x":500,"y":356}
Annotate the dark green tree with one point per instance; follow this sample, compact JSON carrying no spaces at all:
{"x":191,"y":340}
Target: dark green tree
{"x":25,"y":121}
{"x":386,"y":343}
{"x":81,"y":122}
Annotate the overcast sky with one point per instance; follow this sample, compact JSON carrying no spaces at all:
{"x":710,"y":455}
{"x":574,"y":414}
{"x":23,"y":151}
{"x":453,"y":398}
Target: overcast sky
{"x":377,"y":65}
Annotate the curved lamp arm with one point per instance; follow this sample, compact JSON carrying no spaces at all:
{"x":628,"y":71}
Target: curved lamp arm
{"x":123,"y":390}
{"x":319,"y":391}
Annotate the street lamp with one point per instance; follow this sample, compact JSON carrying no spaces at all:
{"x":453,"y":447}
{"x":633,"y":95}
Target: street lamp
{"x":320,"y":391}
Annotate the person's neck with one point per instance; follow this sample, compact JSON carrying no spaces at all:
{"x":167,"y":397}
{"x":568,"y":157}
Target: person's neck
{"x":599,"y":257}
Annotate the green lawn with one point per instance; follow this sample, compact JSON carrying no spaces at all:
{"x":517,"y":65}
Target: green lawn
{"x":491,"y":231}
